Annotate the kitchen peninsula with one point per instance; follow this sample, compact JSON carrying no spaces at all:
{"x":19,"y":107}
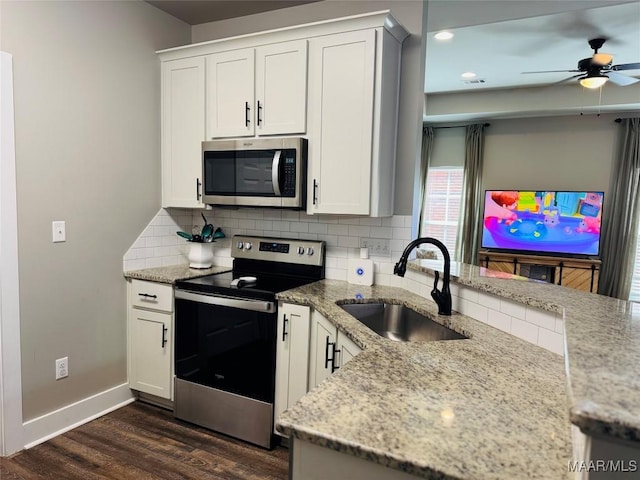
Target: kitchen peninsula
{"x":491,"y":406}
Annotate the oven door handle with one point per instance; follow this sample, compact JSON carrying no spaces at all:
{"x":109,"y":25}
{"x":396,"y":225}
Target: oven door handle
{"x":223,"y":301}
{"x":275,"y":173}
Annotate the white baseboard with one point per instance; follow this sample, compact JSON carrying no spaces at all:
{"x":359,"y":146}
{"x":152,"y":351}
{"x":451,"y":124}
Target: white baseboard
{"x":67,"y":418}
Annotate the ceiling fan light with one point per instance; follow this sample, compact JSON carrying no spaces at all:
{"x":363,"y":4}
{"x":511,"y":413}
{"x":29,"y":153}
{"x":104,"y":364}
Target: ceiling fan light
{"x":602,"y":58}
{"x":594,"y":81}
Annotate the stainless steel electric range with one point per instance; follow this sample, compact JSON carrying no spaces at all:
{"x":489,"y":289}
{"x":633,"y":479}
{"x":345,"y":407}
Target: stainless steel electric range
{"x":225,"y":335}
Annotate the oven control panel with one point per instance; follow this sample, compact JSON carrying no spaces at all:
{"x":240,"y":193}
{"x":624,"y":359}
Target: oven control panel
{"x":288,"y":250}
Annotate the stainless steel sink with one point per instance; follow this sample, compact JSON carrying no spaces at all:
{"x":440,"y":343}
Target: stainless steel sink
{"x":400,"y":323}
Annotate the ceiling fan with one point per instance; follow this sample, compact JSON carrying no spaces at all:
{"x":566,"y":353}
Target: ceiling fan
{"x":596,"y":70}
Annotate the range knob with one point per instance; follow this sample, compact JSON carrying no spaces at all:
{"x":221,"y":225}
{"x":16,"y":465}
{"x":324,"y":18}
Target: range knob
{"x":309,"y":251}
{"x":247,"y":246}
{"x":300,"y":250}
{"x":240,"y":245}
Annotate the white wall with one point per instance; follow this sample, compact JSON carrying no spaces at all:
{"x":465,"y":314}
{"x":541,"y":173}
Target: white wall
{"x":87,"y":126}
{"x":564,"y":153}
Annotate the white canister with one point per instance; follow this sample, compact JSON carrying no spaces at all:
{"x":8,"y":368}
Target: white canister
{"x":200,"y":255}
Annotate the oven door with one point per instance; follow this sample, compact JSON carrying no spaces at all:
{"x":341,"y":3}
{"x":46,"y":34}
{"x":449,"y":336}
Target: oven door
{"x":226,"y":343}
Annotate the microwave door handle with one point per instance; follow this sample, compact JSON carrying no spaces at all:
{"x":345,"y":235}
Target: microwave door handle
{"x":275,"y":171}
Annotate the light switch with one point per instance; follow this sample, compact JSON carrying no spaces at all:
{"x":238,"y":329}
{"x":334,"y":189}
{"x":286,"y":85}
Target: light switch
{"x":59,"y":231}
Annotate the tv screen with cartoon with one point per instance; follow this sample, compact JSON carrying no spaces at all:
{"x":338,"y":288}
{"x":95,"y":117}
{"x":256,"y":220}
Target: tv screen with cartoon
{"x":543,"y":221}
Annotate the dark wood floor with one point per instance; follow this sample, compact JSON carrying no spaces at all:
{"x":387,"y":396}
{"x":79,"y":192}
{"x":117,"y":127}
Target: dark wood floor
{"x":141,"y":441}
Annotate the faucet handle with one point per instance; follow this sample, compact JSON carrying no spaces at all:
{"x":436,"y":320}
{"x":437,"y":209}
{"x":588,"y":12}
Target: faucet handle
{"x":435,"y":282}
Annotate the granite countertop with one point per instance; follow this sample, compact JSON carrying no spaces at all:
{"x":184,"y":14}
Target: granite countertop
{"x":172,"y":273}
{"x":491,"y":406}
{"x":602,"y":346}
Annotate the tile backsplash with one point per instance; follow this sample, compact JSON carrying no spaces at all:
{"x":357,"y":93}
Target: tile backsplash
{"x":159,"y":245}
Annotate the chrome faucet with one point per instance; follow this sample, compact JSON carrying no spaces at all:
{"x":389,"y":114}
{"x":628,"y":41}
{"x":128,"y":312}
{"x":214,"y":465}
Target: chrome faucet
{"x":442,"y":298}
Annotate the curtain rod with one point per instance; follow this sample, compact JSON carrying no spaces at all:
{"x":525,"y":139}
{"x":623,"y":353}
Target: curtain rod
{"x":459,"y":126}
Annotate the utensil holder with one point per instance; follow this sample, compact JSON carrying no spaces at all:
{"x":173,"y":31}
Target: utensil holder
{"x":200,"y":255}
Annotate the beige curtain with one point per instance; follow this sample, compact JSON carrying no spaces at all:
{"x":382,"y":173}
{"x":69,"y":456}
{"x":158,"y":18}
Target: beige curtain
{"x":427,"y":149}
{"x":472,"y":196}
{"x":621,"y":215}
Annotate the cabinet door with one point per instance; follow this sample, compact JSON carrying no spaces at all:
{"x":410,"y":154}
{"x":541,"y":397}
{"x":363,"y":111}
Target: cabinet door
{"x":281,"y":88}
{"x":583,"y":279}
{"x":348,"y":349}
{"x":150,"y":335}
{"x":341,"y":98}
{"x":323,"y":338}
{"x":230,"y":94}
{"x":292,"y":355}
{"x":183,"y":130}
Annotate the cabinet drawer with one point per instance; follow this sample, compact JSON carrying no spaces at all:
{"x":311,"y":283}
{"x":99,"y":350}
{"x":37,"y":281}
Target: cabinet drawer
{"x":152,"y":295}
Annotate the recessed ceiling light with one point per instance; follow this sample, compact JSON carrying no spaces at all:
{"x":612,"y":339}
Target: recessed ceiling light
{"x":444,"y":35}
{"x":468,"y":75}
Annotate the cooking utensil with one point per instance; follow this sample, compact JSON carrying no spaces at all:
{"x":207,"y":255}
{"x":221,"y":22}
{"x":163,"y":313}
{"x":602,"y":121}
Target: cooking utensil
{"x":207,"y":232}
{"x":218,"y":233}
{"x":186,"y":235}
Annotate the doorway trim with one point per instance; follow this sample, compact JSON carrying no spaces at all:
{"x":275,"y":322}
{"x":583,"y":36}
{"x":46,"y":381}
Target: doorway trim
{"x":11,"y":428}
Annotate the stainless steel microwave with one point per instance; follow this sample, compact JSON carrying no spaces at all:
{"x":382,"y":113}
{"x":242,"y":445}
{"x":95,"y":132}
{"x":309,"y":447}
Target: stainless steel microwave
{"x":258,"y":172}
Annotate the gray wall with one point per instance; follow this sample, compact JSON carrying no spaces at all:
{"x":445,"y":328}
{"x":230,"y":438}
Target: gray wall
{"x":410,"y":14}
{"x":87,"y":125}
{"x":557,"y":153}
{"x":564,"y":153}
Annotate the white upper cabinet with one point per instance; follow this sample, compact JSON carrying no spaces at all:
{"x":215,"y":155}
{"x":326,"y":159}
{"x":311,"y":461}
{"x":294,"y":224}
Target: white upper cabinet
{"x":341,"y":76}
{"x":337,"y":81}
{"x":281,"y":88}
{"x":183,"y":130}
{"x":230,"y":94}
{"x":354,"y":80}
{"x":259,"y":91}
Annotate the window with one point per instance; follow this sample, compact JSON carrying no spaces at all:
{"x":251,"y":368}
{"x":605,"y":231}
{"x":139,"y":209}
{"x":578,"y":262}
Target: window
{"x":634,"y":295}
{"x":441,"y":209}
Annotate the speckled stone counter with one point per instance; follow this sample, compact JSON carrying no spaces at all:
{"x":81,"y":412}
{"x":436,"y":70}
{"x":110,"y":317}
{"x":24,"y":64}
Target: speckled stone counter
{"x":602,"y":347}
{"x":172,"y":273}
{"x":491,"y":406}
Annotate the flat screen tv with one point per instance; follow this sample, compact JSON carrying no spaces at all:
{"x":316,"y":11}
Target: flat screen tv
{"x":542,"y":222}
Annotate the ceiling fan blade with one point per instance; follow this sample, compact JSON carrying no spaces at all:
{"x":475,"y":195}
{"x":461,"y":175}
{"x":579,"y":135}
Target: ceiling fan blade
{"x":552,"y":71}
{"x":565,"y":80}
{"x":620,"y":79}
{"x":626,"y":66}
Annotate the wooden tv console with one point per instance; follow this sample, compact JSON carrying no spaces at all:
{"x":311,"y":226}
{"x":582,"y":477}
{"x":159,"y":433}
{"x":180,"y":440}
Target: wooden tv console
{"x":578,"y":273}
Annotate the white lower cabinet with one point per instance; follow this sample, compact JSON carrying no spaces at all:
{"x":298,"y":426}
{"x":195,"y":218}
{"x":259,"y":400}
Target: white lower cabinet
{"x":150,"y":338}
{"x":329,"y":350}
{"x":292,"y":356}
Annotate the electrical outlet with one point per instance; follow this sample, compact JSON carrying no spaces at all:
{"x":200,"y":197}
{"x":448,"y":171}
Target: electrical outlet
{"x":62,"y":368}
{"x":59,"y":232}
{"x":378,"y":247}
